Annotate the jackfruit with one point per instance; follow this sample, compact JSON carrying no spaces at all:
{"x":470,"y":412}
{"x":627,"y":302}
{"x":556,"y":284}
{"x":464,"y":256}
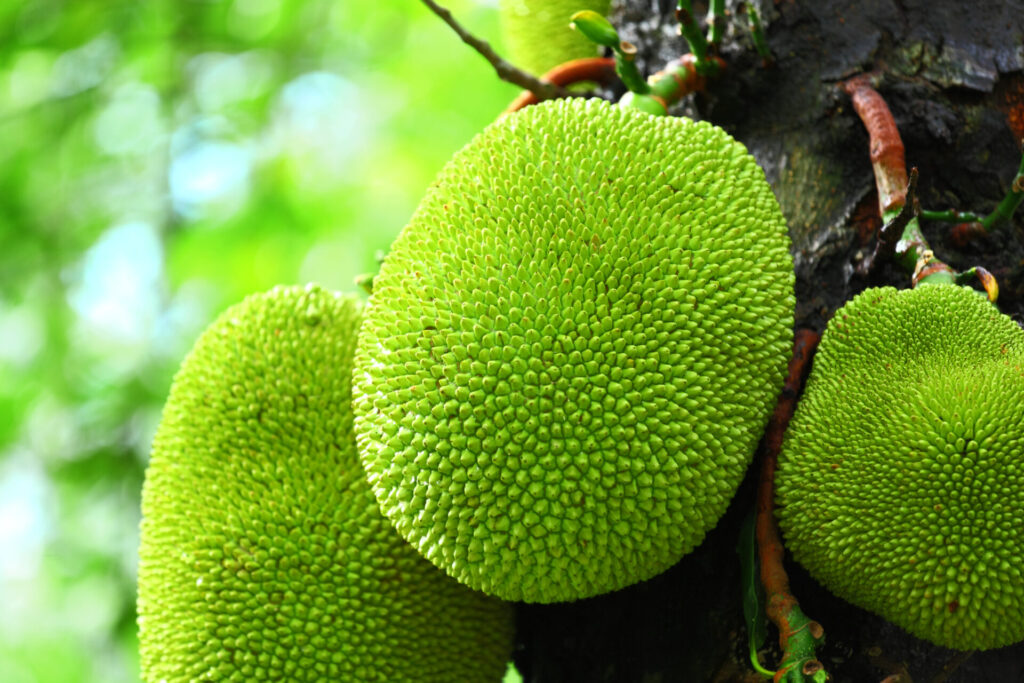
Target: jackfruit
{"x":572,"y":348}
{"x":538,"y":35}
{"x":263,"y":553}
{"x":901,"y":478}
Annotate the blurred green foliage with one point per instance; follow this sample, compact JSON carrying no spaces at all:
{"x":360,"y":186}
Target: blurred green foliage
{"x":161,"y":160}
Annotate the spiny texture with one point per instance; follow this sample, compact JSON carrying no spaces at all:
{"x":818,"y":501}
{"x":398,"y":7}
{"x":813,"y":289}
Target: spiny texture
{"x":264,"y":555}
{"x":572,"y":349}
{"x":538,"y":34}
{"x":901,"y":480}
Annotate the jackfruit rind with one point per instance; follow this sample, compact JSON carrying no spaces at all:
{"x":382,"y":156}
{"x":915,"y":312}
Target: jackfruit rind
{"x":901,"y":479}
{"x":538,"y":35}
{"x":263,"y":554}
{"x":571,"y":350}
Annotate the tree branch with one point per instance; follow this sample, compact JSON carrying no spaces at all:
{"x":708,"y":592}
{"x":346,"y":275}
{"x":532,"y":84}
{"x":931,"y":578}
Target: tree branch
{"x":886,"y":147}
{"x":596,"y":69}
{"x":505,"y":70}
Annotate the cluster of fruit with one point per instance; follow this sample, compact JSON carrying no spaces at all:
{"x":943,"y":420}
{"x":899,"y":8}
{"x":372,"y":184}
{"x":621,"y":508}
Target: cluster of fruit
{"x":563,"y":370}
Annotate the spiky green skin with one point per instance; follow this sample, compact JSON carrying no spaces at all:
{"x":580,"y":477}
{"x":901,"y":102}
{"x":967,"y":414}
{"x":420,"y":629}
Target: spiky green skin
{"x":571,"y":350}
{"x":263,"y":554}
{"x":901,"y":479}
{"x":538,"y":35}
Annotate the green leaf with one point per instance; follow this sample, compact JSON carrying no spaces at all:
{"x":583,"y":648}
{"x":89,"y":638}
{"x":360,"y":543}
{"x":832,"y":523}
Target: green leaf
{"x":753,"y":592}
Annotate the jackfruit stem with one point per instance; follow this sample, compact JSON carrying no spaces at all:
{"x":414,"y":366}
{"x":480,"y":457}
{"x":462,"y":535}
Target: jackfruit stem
{"x":799,"y":635}
{"x":695,"y":39}
{"x":599,"y":30}
{"x":1008,"y":205}
{"x":972,"y":225}
{"x":757,"y":34}
{"x":716,"y":24}
{"x":625,"y":66}
{"x":589,"y":69}
{"x":912,"y":251}
{"x":656,"y":94}
{"x":669,"y":86}
{"x":885,"y":144}
{"x":505,"y":70}
{"x":689,"y":30}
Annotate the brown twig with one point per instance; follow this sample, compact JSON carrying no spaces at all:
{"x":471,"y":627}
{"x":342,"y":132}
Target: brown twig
{"x":886,"y":145}
{"x":887,"y":159}
{"x":798,"y":635}
{"x":596,"y":69}
{"x":506,"y":71}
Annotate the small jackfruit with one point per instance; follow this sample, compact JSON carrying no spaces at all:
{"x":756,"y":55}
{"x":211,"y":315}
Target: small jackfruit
{"x":571,"y":350}
{"x":538,"y":34}
{"x":901,"y":478}
{"x":263,"y":553}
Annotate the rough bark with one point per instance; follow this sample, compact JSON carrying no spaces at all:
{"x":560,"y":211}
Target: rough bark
{"x":953,"y":75}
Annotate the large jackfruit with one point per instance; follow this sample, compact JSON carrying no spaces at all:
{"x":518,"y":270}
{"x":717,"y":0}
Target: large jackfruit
{"x":571,"y":350}
{"x":263,"y":555}
{"x":901,"y":478}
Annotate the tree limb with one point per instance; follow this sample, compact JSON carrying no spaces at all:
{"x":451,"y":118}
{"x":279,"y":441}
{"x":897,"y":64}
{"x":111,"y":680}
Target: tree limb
{"x":505,"y":70}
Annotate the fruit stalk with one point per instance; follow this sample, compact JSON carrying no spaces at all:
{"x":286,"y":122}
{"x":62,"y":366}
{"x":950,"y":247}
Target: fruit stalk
{"x":716,"y":24}
{"x":594,"y":69}
{"x":799,"y":635}
{"x":691,"y":32}
{"x":887,"y":159}
{"x":757,"y":34}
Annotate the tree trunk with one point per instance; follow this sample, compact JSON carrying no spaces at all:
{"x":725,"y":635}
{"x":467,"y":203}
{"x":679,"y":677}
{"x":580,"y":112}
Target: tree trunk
{"x":953,"y":75}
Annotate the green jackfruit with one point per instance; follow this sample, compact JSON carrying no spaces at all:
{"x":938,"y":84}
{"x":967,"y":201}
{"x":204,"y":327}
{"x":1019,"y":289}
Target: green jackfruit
{"x":538,"y":34}
{"x":901,"y":478}
{"x":264,"y":555}
{"x":572,"y":349}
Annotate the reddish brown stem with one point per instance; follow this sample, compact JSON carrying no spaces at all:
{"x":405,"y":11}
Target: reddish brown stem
{"x":887,"y":158}
{"x":596,"y":69}
{"x":886,"y":145}
{"x":782,"y":607}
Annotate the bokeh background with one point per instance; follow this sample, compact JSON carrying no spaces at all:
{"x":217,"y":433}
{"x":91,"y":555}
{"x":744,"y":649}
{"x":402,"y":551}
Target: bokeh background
{"x":160,"y":160}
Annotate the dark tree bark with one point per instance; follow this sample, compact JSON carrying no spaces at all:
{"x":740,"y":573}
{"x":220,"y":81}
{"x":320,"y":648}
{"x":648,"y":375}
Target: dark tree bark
{"x":953,"y":75}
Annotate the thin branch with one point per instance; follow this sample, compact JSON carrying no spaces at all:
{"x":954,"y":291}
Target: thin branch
{"x":690,"y":31}
{"x":505,"y":70}
{"x":970,"y":226}
{"x":799,"y":635}
{"x":716,"y":24}
{"x":597,"y":69}
{"x":599,"y":30}
{"x":757,"y":35}
{"x":886,"y":147}
{"x":950,"y":216}
{"x":695,"y":39}
{"x":1003,"y":213}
